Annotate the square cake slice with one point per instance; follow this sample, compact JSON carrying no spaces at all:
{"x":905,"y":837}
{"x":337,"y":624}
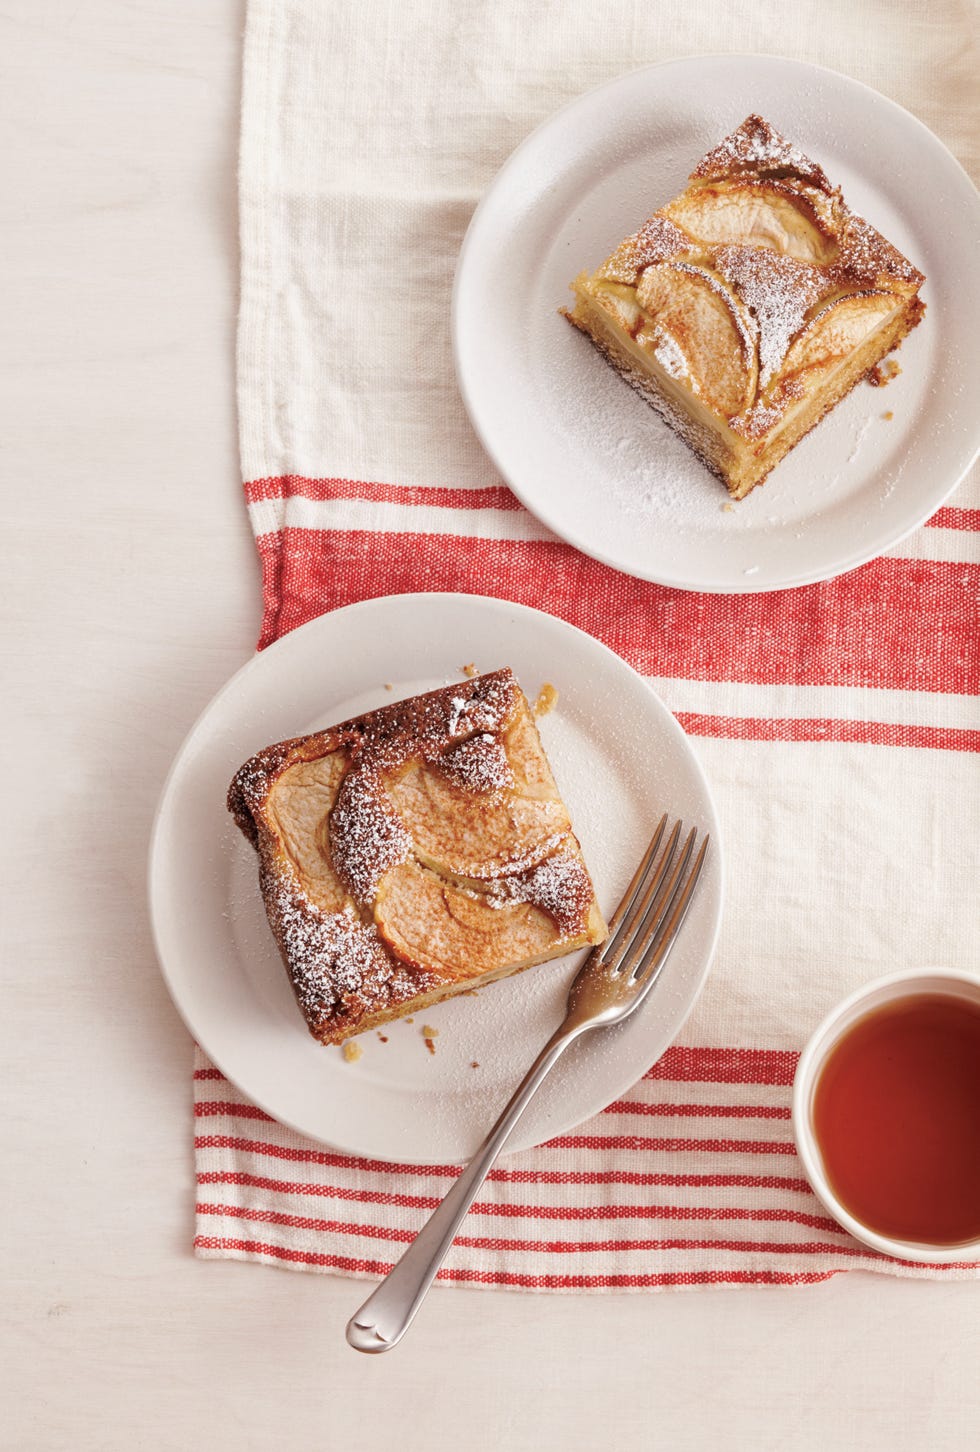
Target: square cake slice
{"x":748,"y":306}
{"x":414,"y":852}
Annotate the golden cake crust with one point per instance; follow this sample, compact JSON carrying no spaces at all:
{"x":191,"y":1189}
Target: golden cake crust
{"x":414,"y":852}
{"x":747,"y":306}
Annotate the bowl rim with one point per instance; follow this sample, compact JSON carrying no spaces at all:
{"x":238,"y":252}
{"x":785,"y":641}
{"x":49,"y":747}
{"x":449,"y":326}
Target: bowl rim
{"x":824,"y":1037}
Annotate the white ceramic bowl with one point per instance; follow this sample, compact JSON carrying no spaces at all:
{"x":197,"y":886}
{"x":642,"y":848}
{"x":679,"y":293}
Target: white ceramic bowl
{"x":896,"y":986}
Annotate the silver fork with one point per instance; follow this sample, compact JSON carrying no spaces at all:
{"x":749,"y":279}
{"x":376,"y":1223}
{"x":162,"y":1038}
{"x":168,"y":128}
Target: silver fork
{"x":613,"y":981}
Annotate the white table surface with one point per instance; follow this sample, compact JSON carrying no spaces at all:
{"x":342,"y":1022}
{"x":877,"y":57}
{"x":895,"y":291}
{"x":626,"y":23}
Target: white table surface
{"x":131,"y":591}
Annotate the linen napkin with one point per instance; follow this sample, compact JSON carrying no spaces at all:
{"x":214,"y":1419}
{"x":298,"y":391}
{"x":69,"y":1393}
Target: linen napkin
{"x":838,"y":724}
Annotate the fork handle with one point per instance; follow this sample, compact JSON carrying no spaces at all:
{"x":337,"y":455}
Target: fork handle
{"x":387,"y":1314}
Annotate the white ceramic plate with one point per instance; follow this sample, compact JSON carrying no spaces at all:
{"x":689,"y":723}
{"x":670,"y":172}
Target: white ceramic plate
{"x":620,"y":760}
{"x":589,"y":457}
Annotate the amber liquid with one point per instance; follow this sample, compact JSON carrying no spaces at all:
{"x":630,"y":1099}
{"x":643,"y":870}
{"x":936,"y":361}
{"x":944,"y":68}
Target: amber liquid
{"x":896,"y":1113}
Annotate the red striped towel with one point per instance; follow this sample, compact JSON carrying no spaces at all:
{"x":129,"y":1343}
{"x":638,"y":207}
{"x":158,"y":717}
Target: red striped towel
{"x":692,"y":1180}
{"x":838,"y":724}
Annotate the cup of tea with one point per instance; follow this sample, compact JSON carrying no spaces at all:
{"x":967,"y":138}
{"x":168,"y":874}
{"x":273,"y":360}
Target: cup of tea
{"x":886,"y":1115}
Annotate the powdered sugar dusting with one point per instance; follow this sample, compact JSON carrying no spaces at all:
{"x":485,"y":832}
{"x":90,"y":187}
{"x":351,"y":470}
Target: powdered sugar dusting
{"x":657,"y":240}
{"x":478,"y":764}
{"x":456,"y":712}
{"x":779,"y":292}
{"x":865,"y":255}
{"x":367,"y":837}
{"x":758,"y":146}
{"x":485,"y":709}
{"x":330,"y":956}
{"x":669,"y":354}
{"x":559,"y":886}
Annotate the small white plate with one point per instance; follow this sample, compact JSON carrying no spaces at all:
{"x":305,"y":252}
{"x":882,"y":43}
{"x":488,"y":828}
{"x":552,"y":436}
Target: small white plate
{"x":589,"y":457}
{"x":620,"y":760}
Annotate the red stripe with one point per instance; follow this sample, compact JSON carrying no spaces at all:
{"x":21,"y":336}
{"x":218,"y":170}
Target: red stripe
{"x":537,"y":1177}
{"x":540,"y":1282}
{"x":495,"y":496}
{"x":585,"y":1247}
{"x":672,"y":1146}
{"x":210,"y":1074}
{"x":571,"y":1141}
{"x":548,"y":1213}
{"x":328,"y":1192}
{"x":699,"y":1111}
{"x":951,"y":518}
{"x":405,"y":1234}
{"x":235,"y":1109}
{"x":896,"y":624}
{"x":809,"y":728}
{"x":294,"y":486}
{"x":568,"y":1141}
{"x":331,"y":1158}
{"x":563,"y":1213}
{"x":726,"y":1066}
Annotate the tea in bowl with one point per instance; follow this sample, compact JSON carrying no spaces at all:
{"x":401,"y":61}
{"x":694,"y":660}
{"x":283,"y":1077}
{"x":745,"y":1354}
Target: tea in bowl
{"x":886,"y":1115}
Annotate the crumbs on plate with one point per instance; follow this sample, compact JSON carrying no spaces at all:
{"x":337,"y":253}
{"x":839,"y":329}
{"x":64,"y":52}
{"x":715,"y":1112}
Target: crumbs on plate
{"x":352,"y":1051}
{"x":883,"y":373}
{"x":547,"y":699}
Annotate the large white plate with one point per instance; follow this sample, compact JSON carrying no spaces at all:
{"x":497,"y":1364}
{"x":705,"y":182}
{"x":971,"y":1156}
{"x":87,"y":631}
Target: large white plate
{"x":620,"y":759}
{"x":589,"y":457}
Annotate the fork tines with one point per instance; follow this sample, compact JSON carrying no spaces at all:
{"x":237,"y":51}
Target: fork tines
{"x":647,"y":920}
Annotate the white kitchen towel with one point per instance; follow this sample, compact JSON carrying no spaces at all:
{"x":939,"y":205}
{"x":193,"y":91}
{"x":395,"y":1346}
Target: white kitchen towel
{"x":838,"y":724}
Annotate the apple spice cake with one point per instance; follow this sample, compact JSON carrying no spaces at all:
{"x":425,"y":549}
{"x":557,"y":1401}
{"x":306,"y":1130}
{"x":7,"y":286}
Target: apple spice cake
{"x":748,"y":306}
{"x":412,"y":853}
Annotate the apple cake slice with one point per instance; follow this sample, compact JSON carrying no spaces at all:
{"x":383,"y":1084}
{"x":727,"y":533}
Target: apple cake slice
{"x":414,"y":852}
{"x":748,"y":306}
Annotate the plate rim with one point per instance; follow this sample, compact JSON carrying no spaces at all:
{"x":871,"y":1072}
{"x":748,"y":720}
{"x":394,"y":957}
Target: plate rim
{"x":184,"y":754}
{"x":849,"y":562}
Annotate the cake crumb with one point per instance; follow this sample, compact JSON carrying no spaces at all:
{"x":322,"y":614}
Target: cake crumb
{"x":430,"y":1033}
{"x":888,"y":415}
{"x":469,"y":670}
{"x":728,"y":508}
{"x":352,"y":1051}
{"x":382,"y":1037}
{"x":547,"y":699}
{"x":389,"y":686}
{"x":474,"y":1064}
{"x":410,"y":1020}
{"x":883,"y":373}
